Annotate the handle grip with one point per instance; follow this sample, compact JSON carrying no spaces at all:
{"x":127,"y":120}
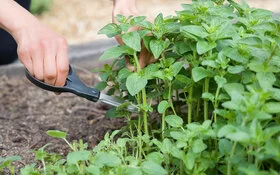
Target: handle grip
{"x":73,"y":85}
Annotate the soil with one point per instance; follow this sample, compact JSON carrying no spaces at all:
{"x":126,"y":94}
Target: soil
{"x":27,"y":112}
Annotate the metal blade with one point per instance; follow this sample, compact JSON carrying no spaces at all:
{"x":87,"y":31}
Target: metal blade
{"x":116,"y":102}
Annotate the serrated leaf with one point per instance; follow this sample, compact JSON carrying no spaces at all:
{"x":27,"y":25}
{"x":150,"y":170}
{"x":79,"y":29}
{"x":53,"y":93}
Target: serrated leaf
{"x":157,"y":47}
{"x":57,"y":134}
{"x":198,"y":73}
{"x":115,"y":52}
{"x":132,"y":40}
{"x":162,"y":106}
{"x":75,"y":157}
{"x":174,"y":120}
{"x":110,"y":30}
{"x":135,"y":83}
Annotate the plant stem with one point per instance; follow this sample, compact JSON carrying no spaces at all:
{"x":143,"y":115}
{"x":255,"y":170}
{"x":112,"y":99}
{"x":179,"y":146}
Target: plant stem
{"x":190,"y":105}
{"x":197,"y":110}
{"x":206,"y":89}
{"x":162,"y":125}
{"x":229,"y":162}
{"x":145,"y":116}
{"x":216,"y":103}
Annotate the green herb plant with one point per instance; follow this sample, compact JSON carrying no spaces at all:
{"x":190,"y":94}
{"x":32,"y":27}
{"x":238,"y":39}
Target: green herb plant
{"x":208,"y":105}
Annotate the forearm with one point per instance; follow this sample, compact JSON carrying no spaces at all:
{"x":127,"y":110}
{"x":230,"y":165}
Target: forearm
{"x":13,"y":17}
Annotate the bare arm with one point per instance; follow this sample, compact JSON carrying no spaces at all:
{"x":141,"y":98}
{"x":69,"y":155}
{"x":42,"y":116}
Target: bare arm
{"x":42,"y":51}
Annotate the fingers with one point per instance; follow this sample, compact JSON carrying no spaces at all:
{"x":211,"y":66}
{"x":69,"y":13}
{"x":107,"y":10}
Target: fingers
{"x":62,"y":63}
{"x":49,"y":62}
{"x":37,"y":63}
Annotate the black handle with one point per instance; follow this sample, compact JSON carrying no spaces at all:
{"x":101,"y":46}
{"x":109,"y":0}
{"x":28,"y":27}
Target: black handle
{"x":73,"y":84}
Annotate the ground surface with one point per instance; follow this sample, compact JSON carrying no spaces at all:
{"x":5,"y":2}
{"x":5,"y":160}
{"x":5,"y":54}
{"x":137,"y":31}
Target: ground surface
{"x":27,"y":112}
{"x":79,"y":21}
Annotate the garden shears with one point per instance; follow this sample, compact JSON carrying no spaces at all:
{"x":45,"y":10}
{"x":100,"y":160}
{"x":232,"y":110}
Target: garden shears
{"x":74,"y":85}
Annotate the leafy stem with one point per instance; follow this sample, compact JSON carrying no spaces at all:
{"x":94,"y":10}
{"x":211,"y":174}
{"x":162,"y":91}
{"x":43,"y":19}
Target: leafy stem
{"x":206,"y":89}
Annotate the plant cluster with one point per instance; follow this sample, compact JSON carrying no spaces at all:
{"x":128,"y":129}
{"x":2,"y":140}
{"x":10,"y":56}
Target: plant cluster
{"x":208,"y":105}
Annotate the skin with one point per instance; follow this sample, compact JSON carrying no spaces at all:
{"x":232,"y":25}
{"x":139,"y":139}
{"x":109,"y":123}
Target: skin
{"x":128,"y":8}
{"x":42,"y":51}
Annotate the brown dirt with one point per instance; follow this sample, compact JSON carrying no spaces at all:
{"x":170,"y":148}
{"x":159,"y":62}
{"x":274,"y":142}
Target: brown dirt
{"x":27,"y":112}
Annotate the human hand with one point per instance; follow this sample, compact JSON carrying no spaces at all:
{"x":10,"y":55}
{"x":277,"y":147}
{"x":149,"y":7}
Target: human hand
{"x":43,"y":53}
{"x":128,"y":8}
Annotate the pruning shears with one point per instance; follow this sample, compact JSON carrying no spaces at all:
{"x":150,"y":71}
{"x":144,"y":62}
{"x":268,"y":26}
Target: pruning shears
{"x":74,"y":85}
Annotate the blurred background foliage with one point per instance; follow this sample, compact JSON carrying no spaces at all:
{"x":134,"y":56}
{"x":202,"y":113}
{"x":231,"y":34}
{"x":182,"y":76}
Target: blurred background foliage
{"x":40,"y":6}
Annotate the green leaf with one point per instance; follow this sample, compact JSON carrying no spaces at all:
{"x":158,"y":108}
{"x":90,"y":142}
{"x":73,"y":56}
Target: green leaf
{"x":198,"y":146}
{"x":233,"y":133}
{"x":57,"y":134}
{"x":266,"y":80}
{"x":208,"y":96}
{"x":101,"y":85}
{"x":231,"y":88}
{"x":75,"y":157}
{"x":135,"y":83}
{"x":225,"y":146}
{"x":176,"y":67}
{"x":155,"y":157}
{"x":234,"y":55}
{"x":271,"y":107}
{"x":157,"y":47}
{"x":235,"y":69}
{"x":123,"y":74}
{"x":132,"y":171}
{"x":204,"y":46}
{"x":198,"y":73}
{"x":92,"y":170}
{"x":120,"y":18}
{"x":110,"y":30}
{"x":152,"y":168}
{"x":115,"y":52}
{"x":220,"y":81}
{"x":195,"y":30}
{"x":174,"y":120}
{"x":106,"y":159}
{"x":132,"y":40}
{"x":162,"y":106}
